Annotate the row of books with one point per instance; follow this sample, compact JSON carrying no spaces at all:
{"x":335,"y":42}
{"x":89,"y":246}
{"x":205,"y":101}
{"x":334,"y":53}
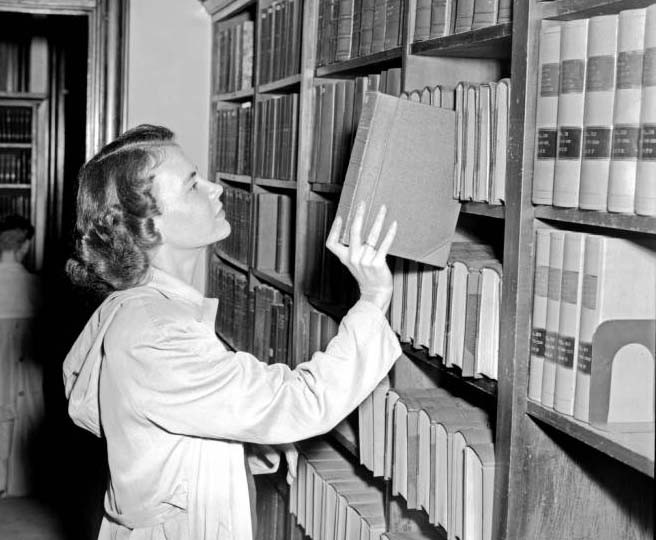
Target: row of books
{"x":237,"y":206}
{"x":14,"y":64}
{"x":482,"y":115}
{"x":337,"y":109}
{"x":326,"y":279}
{"x":353,"y":28}
{"x":332,"y":499}
{"x":15,"y":166}
{"x":234,"y":318}
{"x":452,"y":312}
{"x":594,"y":297}
{"x":272,"y":510}
{"x":274,"y":247}
{"x":15,"y":204}
{"x":322,"y":329}
{"x":233,"y":139}
{"x":272,"y":325}
{"x":233,"y":43}
{"x":438,"y":18}
{"x":277,"y":132}
{"x":437,"y":449}
{"x":280,"y":40}
{"x":15,"y":124}
{"x":596,"y":110}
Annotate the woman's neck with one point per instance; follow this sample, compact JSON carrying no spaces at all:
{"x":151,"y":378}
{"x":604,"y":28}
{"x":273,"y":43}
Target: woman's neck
{"x":179,"y":263}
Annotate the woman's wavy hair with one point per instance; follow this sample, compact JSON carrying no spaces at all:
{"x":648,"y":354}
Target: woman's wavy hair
{"x":115,"y":231}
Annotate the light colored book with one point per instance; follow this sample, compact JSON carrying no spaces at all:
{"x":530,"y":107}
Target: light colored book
{"x":546,"y":117}
{"x":567,"y":173}
{"x":478,"y":497}
{"x":626,"y":114}
{"x":598,"y":115}
{"x":410,"y":289}
{"x":487,"y":335}
{"x":500,"y":142}
{"x":438,"y":320}
{"x":424,"y":306}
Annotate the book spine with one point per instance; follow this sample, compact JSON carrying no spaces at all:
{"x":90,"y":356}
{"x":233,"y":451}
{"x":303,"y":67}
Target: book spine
{"x":546,"y":118}
{"x":556,"y":246}
{"x":539,"y":320}
{"x":505,"y":11}
{"x":626,"y":115}
{"x":486,"y":13}
{"x":378,"y":34}
{"x":471,"y":323}
{"x":595,"y":247}
{"x":464,"y":16}
{"x":284,"y":235}
{"x":460,"y":135}
{"x":422,"y":20}
{"x":598,"y":117}
{"x":645,"y":194}
{"x":573,"y":46}
{"x":568,"y":325}
{"x":392,"y":24}
{"x":345,"y":30}
{"x":357,"y":21}
{"x":366,"y":27}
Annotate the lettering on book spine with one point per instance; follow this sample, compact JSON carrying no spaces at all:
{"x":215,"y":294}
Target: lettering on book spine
{"x":584,"y":364}
{"x":538,"y":338}
{"x":600,"y":76}
{"x":550,"y":346}
{"x":596,"y":142}
{"x":629,"y":69}
{"x":547,"y":143}
{"x":649,"y":67}
{"x":565,"y":354}
{"x":626,"y":140}
{"x":648,"y":142}
{"x":572,"y":76}
{"x":569,"y":142}
{"x":550,"y":80}
{"x":589,"y":292}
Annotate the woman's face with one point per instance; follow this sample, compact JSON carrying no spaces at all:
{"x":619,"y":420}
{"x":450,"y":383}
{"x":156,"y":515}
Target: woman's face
{"x":192,"y":215}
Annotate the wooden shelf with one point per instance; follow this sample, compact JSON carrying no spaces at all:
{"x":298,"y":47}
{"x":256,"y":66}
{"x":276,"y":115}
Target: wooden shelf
{"x":484,"y":209}
{"x":231,"y":260}
{"x":578,"y":9}
{"x":225,"y":341}
{"x":363,"y":64}
{"x":220,"y":9}
{"x":322,"y":187}
{"x":633,"y":449}
{"x":234,"y":178}
{"x":15,"y":187}
{"x":490,"y":42}
{"x":486,"y":388}
{"x":32,"y":96}
{"x":607,"y":220}
{"x":15,"y":145}
{"x":280,"y":184}
{"x":239,"y":95}
{"x":279,"y":281}
{"x":291,"y":82}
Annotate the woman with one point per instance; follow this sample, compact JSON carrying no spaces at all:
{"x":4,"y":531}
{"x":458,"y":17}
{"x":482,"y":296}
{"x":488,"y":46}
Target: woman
{"x":148,"y":372}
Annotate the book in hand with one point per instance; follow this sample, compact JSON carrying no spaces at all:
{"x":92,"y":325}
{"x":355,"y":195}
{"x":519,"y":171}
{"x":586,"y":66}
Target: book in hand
{"x":403,"y":157}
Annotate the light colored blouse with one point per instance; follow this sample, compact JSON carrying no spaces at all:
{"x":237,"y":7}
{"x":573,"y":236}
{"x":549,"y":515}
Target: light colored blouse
{"x":149,"y":373}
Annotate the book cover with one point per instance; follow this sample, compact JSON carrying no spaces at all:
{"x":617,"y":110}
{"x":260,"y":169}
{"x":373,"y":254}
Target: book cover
{"x":546,"y":117}
{"x":422,"y":20}
{"x":626,"y":113}
{"x":378,"y":32}
{"x":366,"y":27}
{"x":573,"y":47}
{"x":464,"y":16}
{"x":500,"y":142}
{"x":393,"y":137}
{"x":443,"y":15}
{"x":486,"y":13}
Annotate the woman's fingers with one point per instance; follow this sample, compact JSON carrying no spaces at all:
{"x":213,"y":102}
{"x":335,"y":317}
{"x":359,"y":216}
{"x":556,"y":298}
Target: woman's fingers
{"x":333,"y":243}
{"x":355,"y":236}
{"x":374,"y":233}
{"x":386,"y":243}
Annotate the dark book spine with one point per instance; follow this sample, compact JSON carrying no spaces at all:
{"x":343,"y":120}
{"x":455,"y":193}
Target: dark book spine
{"x":345,"y":30}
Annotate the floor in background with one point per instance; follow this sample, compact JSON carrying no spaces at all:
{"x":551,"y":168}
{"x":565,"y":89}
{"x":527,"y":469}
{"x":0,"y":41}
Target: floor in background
{"x":28,"y":519}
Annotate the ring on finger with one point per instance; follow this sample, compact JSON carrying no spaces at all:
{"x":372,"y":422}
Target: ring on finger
{"x":369,"y":244}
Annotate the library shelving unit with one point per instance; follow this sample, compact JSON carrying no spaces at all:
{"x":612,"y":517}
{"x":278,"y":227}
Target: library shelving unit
{"x":555,"y":477}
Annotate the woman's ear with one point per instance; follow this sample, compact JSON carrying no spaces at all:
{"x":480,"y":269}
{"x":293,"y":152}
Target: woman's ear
{"x":21,"y":252}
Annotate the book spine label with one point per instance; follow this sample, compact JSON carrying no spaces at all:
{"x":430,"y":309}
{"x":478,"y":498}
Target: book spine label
{"x":626,"y":118}
{"x":645,"y":194}
{"x":546,"y":119}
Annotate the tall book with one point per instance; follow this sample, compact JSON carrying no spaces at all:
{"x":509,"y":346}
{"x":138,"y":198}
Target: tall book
{"x":345,"y":30}
{"x":556,"y":247}
{"x":464,"y":15}
{"x":443,"y":15}
{"x":422,"y":20}
{"x":618,"y":284}
{"x":645,"y":195}
{"x":539,"y":319}
{"x":598,"y":116}
{"x":568,"y":324}
{"x":626,"y":114}
{"x":546,"y":117}
{"x":573,"y":46}
{"x":396,"y":136}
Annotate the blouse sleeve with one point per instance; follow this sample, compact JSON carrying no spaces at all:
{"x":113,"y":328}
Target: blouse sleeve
{"x":194,"y":388}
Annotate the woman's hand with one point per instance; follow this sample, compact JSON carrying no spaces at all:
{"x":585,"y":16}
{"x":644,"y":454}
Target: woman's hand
{"x":364,"y":261}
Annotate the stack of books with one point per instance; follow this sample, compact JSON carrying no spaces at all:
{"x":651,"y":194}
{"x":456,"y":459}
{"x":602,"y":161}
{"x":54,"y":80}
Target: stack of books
{"x":337,"y":109}
{"x":15,"y":166}
{"x":233,"y":139}
{"x":350,"y":29}
{"x":275,"y":234}
{"x":272,"y":325}
{"x":438,"y":18}
{"x":595,"y":129}
{"x":482,"y":115}
{"x":233,"y":44}
{"x":237,"y":205}
{"x":332,"y":499}
{"x":280,"y":40}
{"x":452,"y":312}
{"x":438,"y":451}
{"x":15,"y":124}
{"x":594,"y":325}
{"x":277,"y":128}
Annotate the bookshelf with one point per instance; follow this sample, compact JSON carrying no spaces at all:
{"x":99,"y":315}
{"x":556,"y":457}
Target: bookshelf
{"x":554,"y":477}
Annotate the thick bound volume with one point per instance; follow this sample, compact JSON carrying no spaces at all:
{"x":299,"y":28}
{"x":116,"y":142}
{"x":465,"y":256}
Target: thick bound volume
{"x":403,"y":157}
{"x":539,"y":330}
